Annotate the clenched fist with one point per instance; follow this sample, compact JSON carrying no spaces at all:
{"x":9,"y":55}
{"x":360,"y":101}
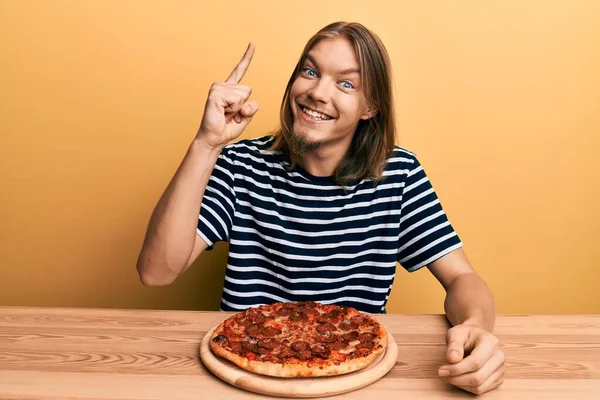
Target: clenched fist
{"x":482,"y":369}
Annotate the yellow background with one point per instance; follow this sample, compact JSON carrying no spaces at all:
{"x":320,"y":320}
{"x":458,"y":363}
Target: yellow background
{"x":100,"y":99}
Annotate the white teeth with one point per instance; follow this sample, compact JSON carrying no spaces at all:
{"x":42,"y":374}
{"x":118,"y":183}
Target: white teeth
{"x":315,"y":114}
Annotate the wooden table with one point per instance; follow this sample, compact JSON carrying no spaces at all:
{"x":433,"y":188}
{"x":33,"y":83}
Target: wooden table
{"x":60,"y":353}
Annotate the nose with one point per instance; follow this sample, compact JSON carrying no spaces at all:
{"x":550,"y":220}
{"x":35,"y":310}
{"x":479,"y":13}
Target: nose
{"x":319,"y":92}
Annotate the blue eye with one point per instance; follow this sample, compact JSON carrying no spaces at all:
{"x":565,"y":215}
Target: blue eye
{"x":310,"y":72}
{"x":347,"y":85}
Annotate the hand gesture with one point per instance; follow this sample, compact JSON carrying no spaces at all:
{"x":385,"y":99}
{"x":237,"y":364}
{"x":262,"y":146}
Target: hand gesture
{"x":228,"y":110}
{"x":483,"y":369}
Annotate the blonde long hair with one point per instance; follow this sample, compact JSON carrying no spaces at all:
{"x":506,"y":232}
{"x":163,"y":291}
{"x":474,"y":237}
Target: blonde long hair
{"x":374,"y":138}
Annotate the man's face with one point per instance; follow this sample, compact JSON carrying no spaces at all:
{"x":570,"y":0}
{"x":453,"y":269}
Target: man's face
{"x":327,"y":98}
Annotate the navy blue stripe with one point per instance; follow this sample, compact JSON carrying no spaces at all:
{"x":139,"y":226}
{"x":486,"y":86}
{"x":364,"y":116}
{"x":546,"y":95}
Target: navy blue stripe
{"x":364,"y":294}
{"x":330,"y":274}
{"x":362,"y":234}
{"x":248,"y":251}
{"x":248,"y":301}
{"x":284,"y":275}
{"x":276,"y":219}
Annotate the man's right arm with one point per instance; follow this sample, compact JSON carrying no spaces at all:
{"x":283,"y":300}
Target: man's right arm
{"x":171,"y":244}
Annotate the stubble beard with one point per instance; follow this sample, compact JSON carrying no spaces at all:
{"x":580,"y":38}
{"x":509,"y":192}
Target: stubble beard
{"x":299,"y":146}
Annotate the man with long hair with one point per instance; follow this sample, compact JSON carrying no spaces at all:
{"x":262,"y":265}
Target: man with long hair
{"x":325,"y":207}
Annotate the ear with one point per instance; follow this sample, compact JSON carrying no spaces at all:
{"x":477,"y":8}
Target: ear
{"x":369,"y":113}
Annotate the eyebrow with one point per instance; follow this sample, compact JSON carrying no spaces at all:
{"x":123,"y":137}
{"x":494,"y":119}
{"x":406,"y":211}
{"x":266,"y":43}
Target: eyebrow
{"x":343,"y":72}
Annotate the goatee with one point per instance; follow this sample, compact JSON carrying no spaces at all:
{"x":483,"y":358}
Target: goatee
{"x":300,"y":146}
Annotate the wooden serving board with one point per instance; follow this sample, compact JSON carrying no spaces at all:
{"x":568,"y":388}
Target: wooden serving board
{"x":298,"y":387}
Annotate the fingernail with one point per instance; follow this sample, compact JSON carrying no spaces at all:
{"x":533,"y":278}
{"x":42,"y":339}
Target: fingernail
{"x":444,"y":372}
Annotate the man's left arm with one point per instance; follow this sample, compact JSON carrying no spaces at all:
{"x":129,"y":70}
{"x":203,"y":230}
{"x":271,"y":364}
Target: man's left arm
{"x":475,"y":359}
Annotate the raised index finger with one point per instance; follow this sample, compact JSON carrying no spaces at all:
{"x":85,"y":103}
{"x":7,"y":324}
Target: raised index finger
{"x":240,"y":70}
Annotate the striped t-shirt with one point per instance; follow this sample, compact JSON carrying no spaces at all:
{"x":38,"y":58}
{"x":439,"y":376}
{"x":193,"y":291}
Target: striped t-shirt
{"x":295,"y":237}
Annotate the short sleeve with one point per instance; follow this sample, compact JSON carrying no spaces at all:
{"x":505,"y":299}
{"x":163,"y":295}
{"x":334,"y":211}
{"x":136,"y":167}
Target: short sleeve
{"x":425,"y":231}
{"x":218,"y":203}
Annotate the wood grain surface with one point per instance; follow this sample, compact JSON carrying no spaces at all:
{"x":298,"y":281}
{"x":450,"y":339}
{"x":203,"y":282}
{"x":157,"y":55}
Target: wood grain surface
{"x":62,"y":353}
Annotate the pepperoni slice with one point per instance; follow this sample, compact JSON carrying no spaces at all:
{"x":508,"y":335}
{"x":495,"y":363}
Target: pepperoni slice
{"x":243,"y":321}
{"x":236,"y":347}
{"x":221,"y":339}
{"x":337,"y":345}
{"x":304,"y":355}
{"x":286,"y":311}
{"x":250,"y":343}
{"x":327,"y":326}
{"x":260,"y":318}
{"x":254,"y":329}
{"x":262,"y":350}
{"x":366,"y":337}
{"x":365,"y":345}
{"x":326,"y":337}
{"x":300,"y":345}
{"x":271,"y":331}
{"x":321,"y":350}
{"x":268,"y":343}
{"x":348,"y":325}
{"x":350,"y":336}
{"x":252,"y":313}
{"x":329,"y":317}
{"x":310,"y":304}
{"x":286,"y":353}
{"x":298,"y":316}
{"x":310,"y":311}
{"x":359,"y":319}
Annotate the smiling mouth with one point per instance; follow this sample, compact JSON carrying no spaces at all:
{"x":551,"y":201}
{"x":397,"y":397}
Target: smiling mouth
{"x":313,"y":114}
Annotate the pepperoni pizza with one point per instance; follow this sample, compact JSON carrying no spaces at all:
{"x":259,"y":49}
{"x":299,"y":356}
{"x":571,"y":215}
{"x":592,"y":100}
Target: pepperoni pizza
{"x":304,"y":339}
